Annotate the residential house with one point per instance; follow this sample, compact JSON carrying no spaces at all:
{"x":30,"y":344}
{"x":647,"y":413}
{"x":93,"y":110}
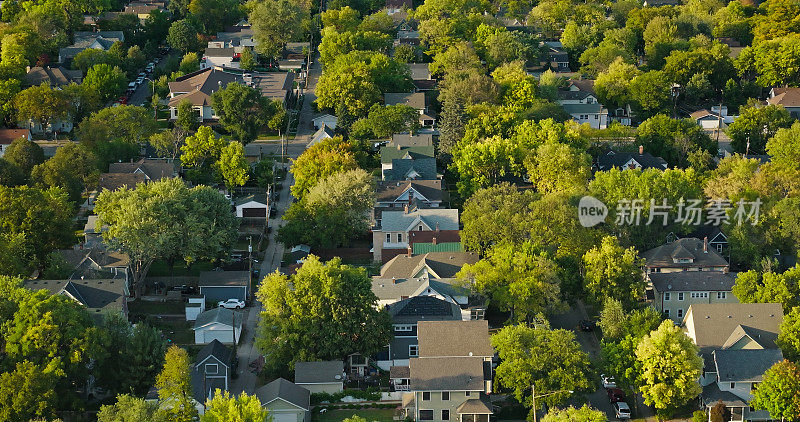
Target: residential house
{"x":198,"y":87}
{"x":734,"y":339}
{"x":687,"y":254}
{"x":217,"y":286}
{"x":556,"y":57}
{"x":715,"y":119}
{"x":397,"y":6}
{"x":393,"y":236}
{"x":143,"y":9}
{"x":397,"y":152}
{"x":96,"y":262}
{"x":320,"y":135}
{"x":415,"y":100}
{"x":389,"y":291}
{"x":252,"y":206}
{"x":285,"y":401}
{"x":212,"y":370}
{"x":405,"y":315}
{"x":7,"y":136}
{"x":411,"y":169}
{"x":52,"y":76}
{"x":421,"y":77}
{"x":100,"y":40}
{"x":153,"y":169}
{"x":320,"y":376}
{"x":789,"y":98}
{"x":220,"y":324}
{"x":674,"y":292}
{"x":294,"y":57}
{"x":398,"y":194}
{"x":452,"y":378}
{"x":660,"y":3}
{"x":101,"y":297}
{"x":411,"y":140}
{"x":224,"y":57}
{"x":628,"y":160}
{"x":583,"y":106}
{"x":239,"y":36}
{"x":325,"y":120}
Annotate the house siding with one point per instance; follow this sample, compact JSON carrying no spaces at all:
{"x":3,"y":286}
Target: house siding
{"x":437,"y":404}
{"x":673,"y":304}
{"x":214,"y":294}
{"x":331,"y":387}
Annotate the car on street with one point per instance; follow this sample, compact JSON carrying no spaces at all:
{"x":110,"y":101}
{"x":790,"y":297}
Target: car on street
{"x":232,"y":304}
{"x":608,"y":382}
{"x":615,"y":395}
{"x":587,"y":325}
{"x":622,"y":410}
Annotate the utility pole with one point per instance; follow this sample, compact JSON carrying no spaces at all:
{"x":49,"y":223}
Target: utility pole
{"x":533,"y":398}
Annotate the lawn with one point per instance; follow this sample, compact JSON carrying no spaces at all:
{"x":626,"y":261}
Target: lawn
{"x":175,"y":331}
{"x":161,"y":269}
{"x":380,"y":415}
{"x":155,"y":308}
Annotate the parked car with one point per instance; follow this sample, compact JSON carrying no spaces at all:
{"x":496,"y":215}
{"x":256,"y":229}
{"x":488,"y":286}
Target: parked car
{"x":187,"y":290}
{"x":232,"y":304}
{"x":608,"y":382}
{"x":615,"y":395}
{"x":587,"y":325}
{"x":622,"y":410}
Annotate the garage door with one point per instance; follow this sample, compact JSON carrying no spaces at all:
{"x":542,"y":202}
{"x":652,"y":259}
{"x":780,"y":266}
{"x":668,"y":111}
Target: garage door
{"x":284,"y":416}
{"x":254,"y":212}
{"x":221,"y":335}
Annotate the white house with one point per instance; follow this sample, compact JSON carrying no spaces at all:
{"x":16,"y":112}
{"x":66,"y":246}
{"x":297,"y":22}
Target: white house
{"x":327,"y":120}
{"x":220,"y":324}
{"x":584,"y":107}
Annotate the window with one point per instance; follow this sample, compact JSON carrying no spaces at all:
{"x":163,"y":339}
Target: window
{"x":666,"y":313}
{"x":445,"y":397}
{"x":419,"y":228}
{"x":589,"y":100}
{"x":388,"y":237}
{"x":426,"y":415}
{"x":399,"y":237}
{"x":426,"y":396}
{"x":413,"y":350}
{"x":680,"y":313}
{"x":445,"y":414}
{"x":212,"y":369}
{"x":719,"y":247}
{"x":680,"y":296}
{"x":666,"y":296}
{"x":594,"y":116}
{"x":722,"y":295}
{"x":733,"y":385}
{"x":403,"y":327}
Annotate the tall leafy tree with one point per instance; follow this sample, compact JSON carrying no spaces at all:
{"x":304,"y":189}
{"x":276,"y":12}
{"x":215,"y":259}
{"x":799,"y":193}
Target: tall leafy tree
{"x":24,"y":154}
{"x":673,"y":139}
{"x":117,"y":133}
{"x":72,"y":168}
{"x":41,"y":105}
{"x":242,"y":408}
{"x":769,"y":287}
{"x":174,"y":385}
{"x":779,"y":391}
{"x":320,"y":161}
{"x":233,"y":166}
{"x":755,"y":125}
{"x":575,"y":414}
{"x":275,"y":22}
{"x":557,"y":167}
{"x":613,"y":272}
{"x":612,"y":319}
{"x":109,"y":82}
{"x":130,"y":408}
{"x":204,"y":147}
{"x":183,"y":36}
{"x":27,"y":392}
{"x":242,"y":110}
{"x":168,"y":143}
{"x":324,"y":311}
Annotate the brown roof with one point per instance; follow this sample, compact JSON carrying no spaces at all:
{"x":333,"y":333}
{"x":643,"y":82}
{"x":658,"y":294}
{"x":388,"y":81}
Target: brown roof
{"x":399,"y":372}
{"x":53,"y":76}
{"x":388,"y":191}
{"x":714,"y":324}
{"x":153,"y":169}
{"x":447,"y":373}
{"x":414,"y":99}
{"x":439,"y":265}
{"x":686,"y":248}
{"x":197,"y":87}
{"x":586,"y":85}
{"x":114,"y":181}
{"x":454,"y":338}
{"x":427,"y":236}
{"x":7,"y":136}
{"x":787,"y":97}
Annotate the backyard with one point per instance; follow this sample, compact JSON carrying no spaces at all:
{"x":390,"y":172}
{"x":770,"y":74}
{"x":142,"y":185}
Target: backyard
{"x":379,"y":415}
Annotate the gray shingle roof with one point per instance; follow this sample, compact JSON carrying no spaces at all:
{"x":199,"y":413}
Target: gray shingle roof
{"x":707,"y":281}
{"x":387,"y":289}
{"x":409,"y":140}
{"x":321,"y":134}
{"x":95,"y":294}
{"x":593,"y":108}
{"x":447,"y":373}
{"x":619,"y":159}
{"x":475,"y":406}
{"x":436,"y":265}
{"x":204,"y":388}
{"x":425,"y":169}
{"x":664,"y":255}
{"x":419,"y":71}
{"x":224,"y":278}
{"x":218,"y":351}
{"x":445,"y":218}
{"x":390,"y":190}
{"x":318,"y":372}
{"x":399,"y":372}
{"x":454,"y":338}
{"x":712,"y":394}
{"x":53,"y":76}
{"x":261,"y":198}
{"x":427,"y":308}
{"x":415,"y":100}
{"x":714,"y":323}
{"x":745,"y":365}
{"x":286,"y":390}
{"x":220,"y":315}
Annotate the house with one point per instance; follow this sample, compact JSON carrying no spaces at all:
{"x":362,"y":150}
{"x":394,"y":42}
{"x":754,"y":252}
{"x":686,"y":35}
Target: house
{"x":687,"y":254}
{"x":100,"y":40}
{"x":198,"y":87}
{"x":389,"y":291}
{"x":252,"y":206}
{"x":237,"y":37}
{"x":556,"y":56}
{"x":212,"y":370}
{"x":452,"y":376}
{"x":101,"y":297}
{"x":397,"y":194}
{"x":153,"y":169}
{"x":194,"y":307}
{"x":392,"y":236}
{"x":143,"y":9}
{"x":421,"y":77}
{"x":396,"y":152}
{"x":660,"y":3}
{"x":400,"y":378}
{"x":286,"y":401}
{"x":675,"y":291}
{"x":737,"y":343}
{"x":411,"y":140}
{"x":415,"y":100}
{"x":405,"y":315}
{"x":583,"y":106}
{"x":411,"y":169}
{"x":434,"y":265}
{"x":223,"y":285}
{"x":97,"y":262}
{"x":789,"y":98}
{"x":220,"y":324}
{"x":628,"y":160}
{"x":325,"y":120}
{"x":715,"y":119}
{"x":320,"y":135}
{"x":224,"y":57}
{"x":397,"y":6}
{"x":320,"y":376}
{"x":52,"y":76}
{"x":7,"y":136}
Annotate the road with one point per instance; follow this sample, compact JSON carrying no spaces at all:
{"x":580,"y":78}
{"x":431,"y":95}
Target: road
{"x":246,"y":381}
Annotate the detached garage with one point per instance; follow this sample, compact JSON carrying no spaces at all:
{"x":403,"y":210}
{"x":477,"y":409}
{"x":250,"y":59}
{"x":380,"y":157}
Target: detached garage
{"x":286,"y":401}
{"x":253,"y":206}
{"x":223,"y":285}
{"x":320,"y":376}
{"x":221,"y":324}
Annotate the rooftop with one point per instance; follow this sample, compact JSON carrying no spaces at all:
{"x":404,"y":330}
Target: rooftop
{"x":285,"y":390}
{"x":416,"y":169}
{"x":621,"y":159}
{"x":787,"y":97}
{"x":388,"y":289}
{"x":433,"y":265}
{"x":714,"y":324}
{"x":454,"y":338}
{"x":218,"y":351}
{"x":399,"y":151}
{"x":429,"y":218}
{"x":693,"y":281}
{"x":97,"y":295}
{"x":224,"y":278}
{"x":318,"y":372}
{"x":409,"y":140}
{"x":219,"y":315}
{"x":415,"y":100}
{"x":392,"y":190}
{"x":745,"y":365}
{"x":423,"y":308}
{"x":688,"y":248}
{"x":447,"y":373}
{"x":53,"y":76}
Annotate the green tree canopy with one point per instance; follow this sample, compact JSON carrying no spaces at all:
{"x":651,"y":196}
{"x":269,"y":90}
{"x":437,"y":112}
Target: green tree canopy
{"x":72,"y":168}
{"x":673,"y":140}
{"x":226,"y":407}
{"x":174,"y":385}
{"x":130,"y":408}
{"x":117,"y":133}
{"x":557,"y":167}
{"x":183,"y":36}
{"x":573,"y":414}
{"x":383,"y":122}
{"x":789,"y":334}
{"x":24,"y":154}
{"x":320,"y":161}
{"x":755,"y":125}
{"x":204,"y":147}
{"x":613,"y":272}
{"x":233,"y":166}
{"x":242,"y":110}
{"x":275,"y":22}
{"x":109,"y":82}
{"x":779,"y":391}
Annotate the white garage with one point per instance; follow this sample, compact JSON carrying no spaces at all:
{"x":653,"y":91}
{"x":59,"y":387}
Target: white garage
{"x":219,"y":324}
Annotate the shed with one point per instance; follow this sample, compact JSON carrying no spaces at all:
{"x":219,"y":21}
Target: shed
{"x":195,"y":307}
{"x":286,"y":401}
{"x":252,"y":206}
{"x":320,"y":376}
{"x":224,"y":285}
{"x":219,"y":324}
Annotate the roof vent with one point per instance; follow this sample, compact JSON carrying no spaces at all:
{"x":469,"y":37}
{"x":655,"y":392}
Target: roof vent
{"x":749,"y":316}
{"x":470,"y":353}
{"x":730,"y":316}
{"x":708,"y":316}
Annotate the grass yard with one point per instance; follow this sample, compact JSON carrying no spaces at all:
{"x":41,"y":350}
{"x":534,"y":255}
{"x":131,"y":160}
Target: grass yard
{"x":161,"y":269}
{"x":156,"y":308}
{"x":379,"y":415}
{"x":176,"y":332}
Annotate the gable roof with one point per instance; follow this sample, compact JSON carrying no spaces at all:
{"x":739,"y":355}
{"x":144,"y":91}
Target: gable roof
{"x":153,"y":169}
{"x":688,"y":247}
{"x":388,"y":289}
{"x":391,"y":190}
{"x":53,"y":76}
{"x":197,"y":87}
{"x":391,"y":153}
{"x":419,"y":71}
{"x":441,"y":218}
{"x":447,"y":373}
{"x":204,"y":388}
{"x":713,"y":323}
{"x":620,"y":159}
{"x":419,"y":168}
{"x":415,"y":100}
{"x":564,"y":95}
{"x":217,"y":350}
{"x":261,"y":198}
{"x":745,"y":365}
{"x":411,"y":140}
{"x":114,"y":181}
{"x":321,"y":134}
{"x":434,"y":265}
{"x":319,"y":372}
{"x":285,"y":390}
{"x":95,"y":294}
{"x":224,"y":278}
{"x":707,"y":281}
{"x":427,"y":308}
{"x":699,"y":114}
{"x":787,"y":97}
{"x":454,"y":338}
{"x":218,"y":315}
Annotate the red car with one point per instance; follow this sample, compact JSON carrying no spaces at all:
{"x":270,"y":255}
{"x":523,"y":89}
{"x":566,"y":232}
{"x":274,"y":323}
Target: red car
{"x":615,"y":395}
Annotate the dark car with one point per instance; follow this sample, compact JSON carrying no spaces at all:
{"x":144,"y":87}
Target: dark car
{"x":587,"y":325}
{"x":187,"y":290}
{"x":615,"y":395}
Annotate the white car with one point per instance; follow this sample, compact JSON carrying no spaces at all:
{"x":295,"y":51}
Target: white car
{"x":608,"y":382}
{"x":621,"y":410}
{"x":232,"y":304}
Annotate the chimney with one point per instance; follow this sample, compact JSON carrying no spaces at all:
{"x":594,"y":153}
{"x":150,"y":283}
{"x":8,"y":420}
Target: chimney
{"x":405,"y":208}
{"x":409,"y":251}
{"x":641,"y":150}
{"x":27,"y":69}
{"x":394,"y":280}
{"x":437,"y":227}
{"x":434,"y":241}
{"x":705,"y":244}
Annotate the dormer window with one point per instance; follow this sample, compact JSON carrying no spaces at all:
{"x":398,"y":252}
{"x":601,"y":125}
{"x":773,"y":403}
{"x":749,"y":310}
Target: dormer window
{"x":212,"y":369}
{"x":683,"y":260}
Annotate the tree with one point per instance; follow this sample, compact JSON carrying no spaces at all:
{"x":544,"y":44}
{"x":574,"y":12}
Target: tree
{"x":225,"y":407}
{"x":275,"y":22}
{"x":650,"y":93}
{"x":613,"y":272}
{"x":174,"y":385}
{"x":10,"y":174}
{"x":320,"y":161}
{"x":769,"y":287}
{"x":233,"y":166}
{"x":42,"y":216}
{"x":72,"y":168}
{"x":41,"y":104}
{"x":335,"y":211}
{"x":551,"y":360}
{"x":335,"y":44}
{"x":557,"y":167}
{"x":188,"y":120}
{"x":779,"y":391}
{"x":324,"y":311}
{"x":203,"y":146}
{"x":613,"y":85}
{"x":213,"y":15}
{"x":719,"y":413}
{"x":572,"y":414}
{"x":612,"y":319}
{"x":130,"y":408}
{"x":242,"y":110}
{"x":671,"y":367}
{"x":383,"y":122}
{"x":183,"y":36}
{"x":772,"y":62}
{"x":673,"y":139}
{"x":451,"y":126}
{"x":190,"y":63}
{"x":24,"y":154}
{"x":789,"y":335}
{"x":89,"y":58}
{"x":168,"y":143}
{"x":27,"y":392}
{"x":755,"y":125}
{"x":516,"y":278}
{"x":116,"y":133}
{"x":142,"y":360}
{"x":166,"y":220}
{"x":247,"y":60}
{"x":109,"y":82}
